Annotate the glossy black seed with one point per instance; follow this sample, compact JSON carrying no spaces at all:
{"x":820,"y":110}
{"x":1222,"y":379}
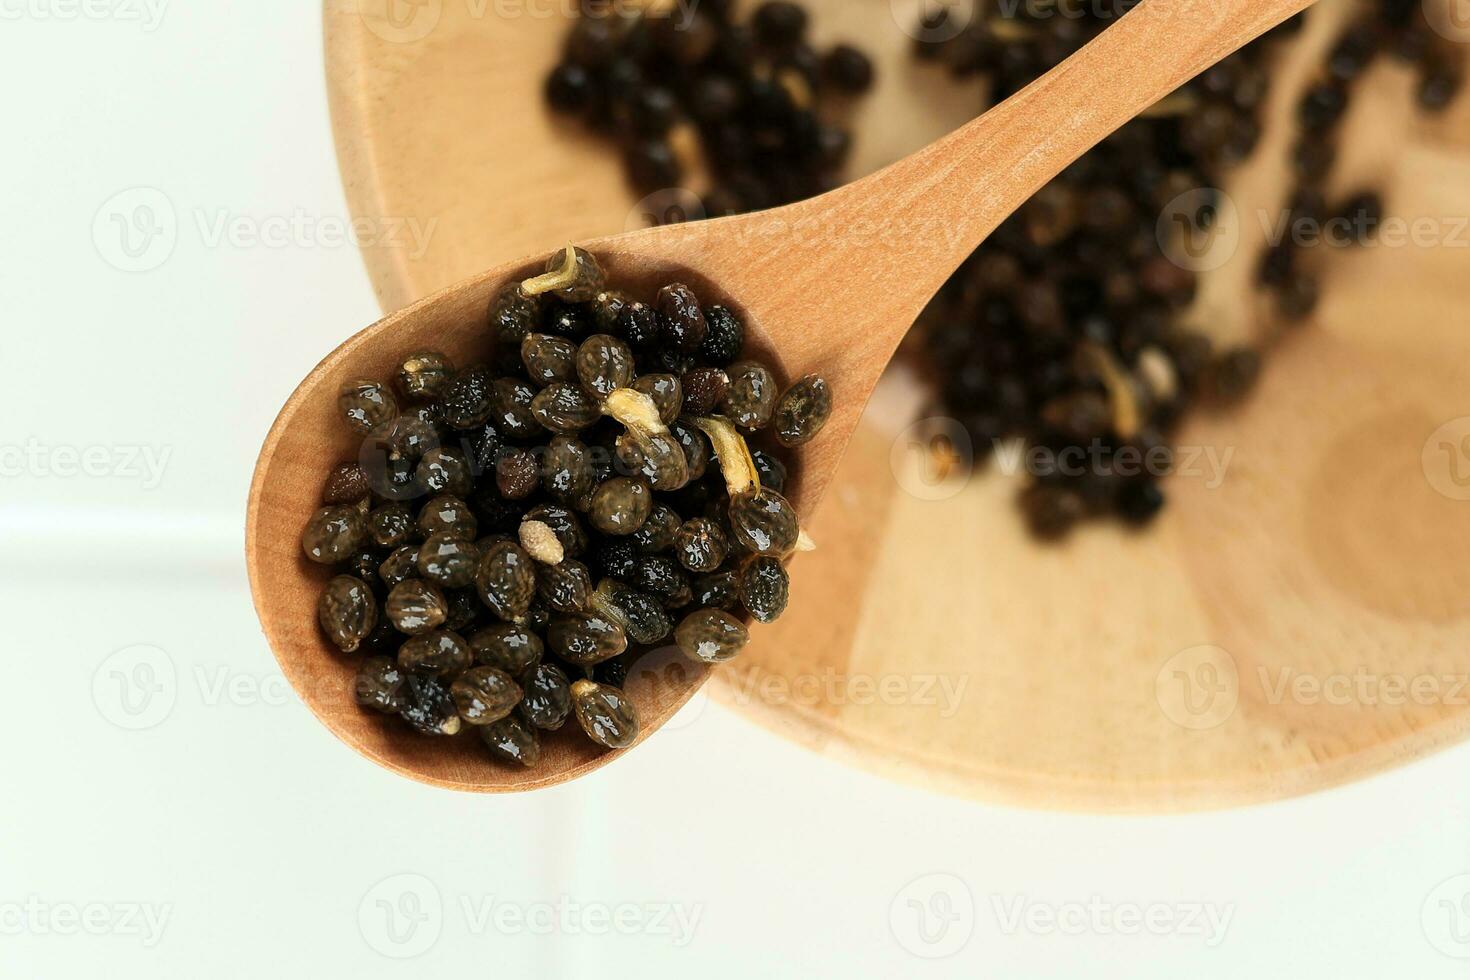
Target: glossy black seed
{"x":517,"y":474}
{"x":512,"y":648}
{"x":347,"y":484}
{"x":617,"y":557}
{"x":334,"y":534}
{"x":484,"y":695}
{"x":620,"y":506}
{"x":428,"y":708}
{"x":700,"y":545}
{"x":506,"y":579}
{"x":765,"y":588}
{"x":718,"y":591}
{"x":512,"y":741}
{"x":564,"y":587}
{"x":424,"y":376}
{"x":513,"y":416}
{"x":638,"y":325}
{"x":641,"y":615}
{"x":465,"y":402}
{"x":449,"y":515}
{"x":724,"y":336}
{"x":448,"y":561}
{"x":366,"y":405}
{"x":681,"y":321}
{"x":513,"y":315}
{"x":770,"y":470}
{"x":608,"y":718}
{"x":441,"y":654}
{"x":658,"y":531}
{"x":803,"y":411}
{"x":711,"y":636}
{"x":416,"y":607}
{"x":379,"y":686}
{"x":750,"y":401}
{"x":585,"y":640}
{"x":347,"y":612}
{"x":548,"y":700}
{"x":664,"y":577}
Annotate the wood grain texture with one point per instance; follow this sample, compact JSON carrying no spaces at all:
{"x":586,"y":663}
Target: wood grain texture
{"x":1325,"y":553}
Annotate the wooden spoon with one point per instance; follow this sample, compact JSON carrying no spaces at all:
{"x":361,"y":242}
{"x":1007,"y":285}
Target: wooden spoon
{"x":829,"y":286}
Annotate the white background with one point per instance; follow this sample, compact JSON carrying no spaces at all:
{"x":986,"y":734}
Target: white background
{"x":263,"y":847}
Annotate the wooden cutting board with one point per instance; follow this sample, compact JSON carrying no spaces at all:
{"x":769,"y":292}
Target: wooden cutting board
{"x":1300,"y":616}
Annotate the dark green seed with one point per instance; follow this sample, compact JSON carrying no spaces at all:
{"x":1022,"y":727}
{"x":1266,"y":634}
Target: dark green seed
{"x":764,"y":522}
{"x":564,"y":587}
{"x":334,"y":534}
{"x":657,"y":533}
{"x":484,"y":695}
{"x":711,"y":636}
{"x":700,"y":545}
{"x":379,"y":685}
{"x":424,"y":376}
{"x":444,"y":471}
{"x":513,"y":314}
{"x":512,"y":740}
{"x":565,"y":408}
{"x":750,"y":401}
{"x":567,"y":473}
{"x":465,"y":402}
{"x":718,"y":591}
{"x":448,"y":561}
{"x":347,"y":484}
{"x":667,"y":394}
{"x":548,"y":701}
{"x":450,"y":515}
{"x":428,"y":707}
{"x":400,"y":566}
{"x":607,"y":717}
{"x":620,"y":506}
{"x":549,"y":359}
{"x":441,"y":654}
{"x":416,"y":607}
{"x":513,"y":416}
{"x":803,"y":411}
{"x":366,"y":405}
{"x":585,"y":640}
{"x":640,"y":615}
{"x":512,"y":648}
{"x":765,"y":588}
{"x":604,"y":364}
{"x":506,"y":580}
{"x":347,"y":612}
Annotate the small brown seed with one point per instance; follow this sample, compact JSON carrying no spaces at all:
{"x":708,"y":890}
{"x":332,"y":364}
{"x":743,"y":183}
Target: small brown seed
{"x":711,"y":636}
{"x":608,"y":718}
{"x":484,"y":695}
{"x":347,"y":612}
{"x":416,"y":607}
{"x":442,"y":654}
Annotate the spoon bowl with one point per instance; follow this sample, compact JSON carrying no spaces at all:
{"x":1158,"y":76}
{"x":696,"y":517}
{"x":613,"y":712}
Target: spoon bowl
{"x":829,"y":286}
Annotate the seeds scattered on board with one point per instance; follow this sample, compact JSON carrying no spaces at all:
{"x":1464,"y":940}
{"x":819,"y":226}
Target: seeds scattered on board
{"x":516,"y":534}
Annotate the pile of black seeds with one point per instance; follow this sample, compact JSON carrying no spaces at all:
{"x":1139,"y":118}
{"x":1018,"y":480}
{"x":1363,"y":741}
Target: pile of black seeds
{"x":515,"y":535}
{"x":752,"y":99}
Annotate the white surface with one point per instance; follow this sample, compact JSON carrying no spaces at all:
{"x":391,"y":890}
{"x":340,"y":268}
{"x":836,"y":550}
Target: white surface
{"x":265,"y":845}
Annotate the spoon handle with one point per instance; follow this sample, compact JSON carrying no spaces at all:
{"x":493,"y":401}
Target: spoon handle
{"x":849,"y":271}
